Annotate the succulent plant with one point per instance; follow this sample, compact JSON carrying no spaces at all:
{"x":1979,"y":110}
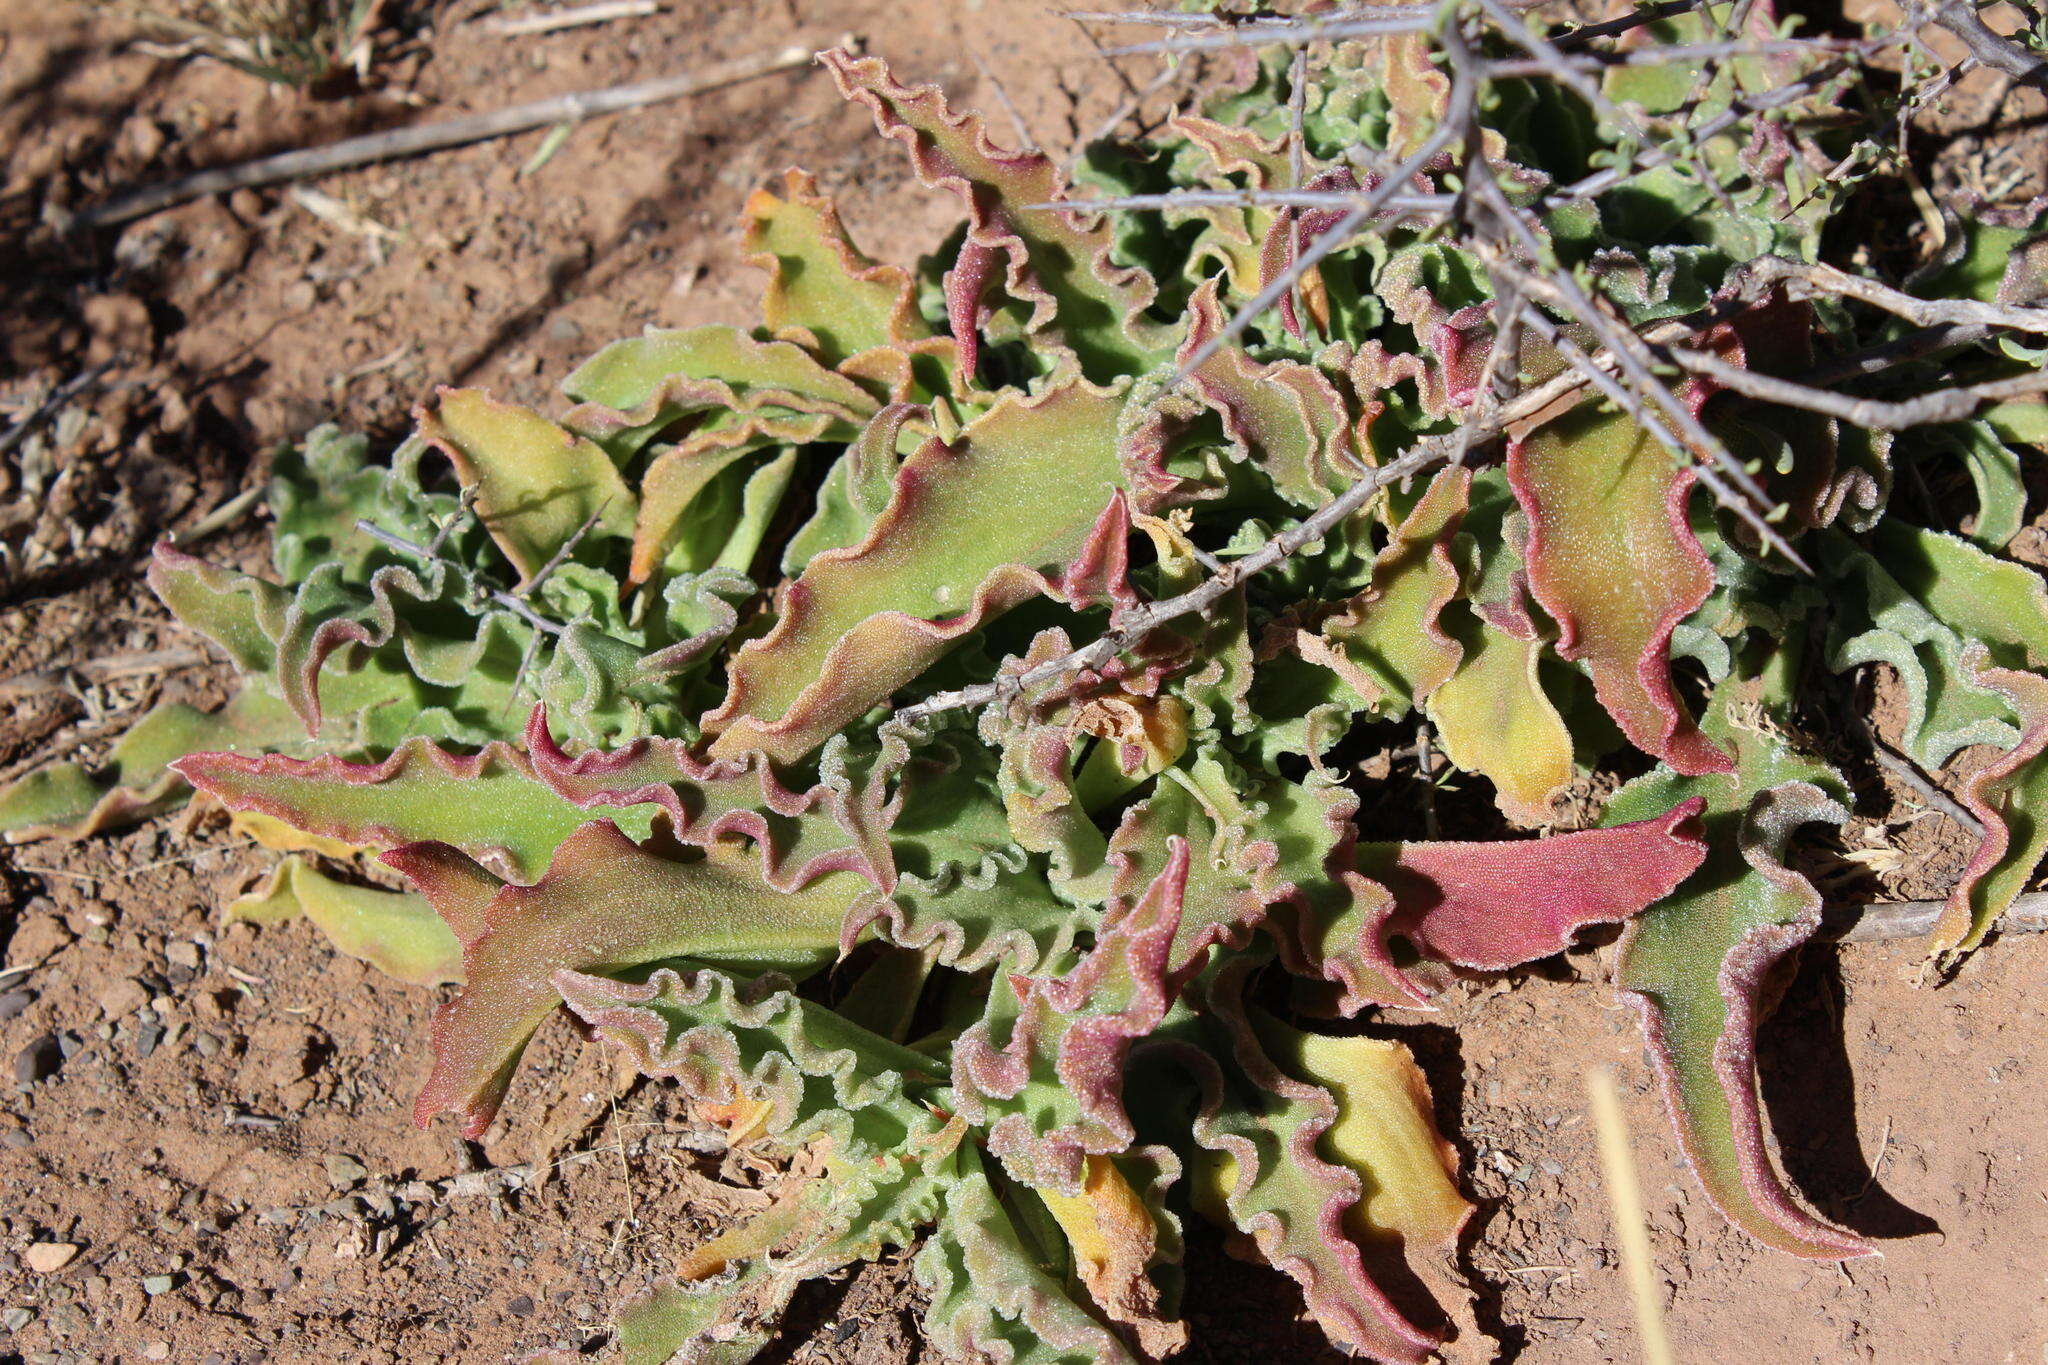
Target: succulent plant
{"x":1008,"y":632}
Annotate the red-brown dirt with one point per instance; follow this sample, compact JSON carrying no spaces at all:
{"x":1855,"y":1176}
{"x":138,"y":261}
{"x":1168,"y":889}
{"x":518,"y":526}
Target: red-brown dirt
{"x":218,"y":1119}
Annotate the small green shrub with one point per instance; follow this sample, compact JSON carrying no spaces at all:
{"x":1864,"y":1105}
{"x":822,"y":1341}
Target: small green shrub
{"x":1094,"y":908}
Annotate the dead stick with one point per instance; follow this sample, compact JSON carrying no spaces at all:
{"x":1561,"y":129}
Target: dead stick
{"x":434,"y":137}
{"x":532,"y":24}
{"x":51,"y":406}
{"x":1912,"y":919}
{"x":100,"y":670}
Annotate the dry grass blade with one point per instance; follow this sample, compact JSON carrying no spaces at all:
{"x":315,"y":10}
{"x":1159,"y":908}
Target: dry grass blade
{"x":289,"y":42}
{"x":1618,"y":1166}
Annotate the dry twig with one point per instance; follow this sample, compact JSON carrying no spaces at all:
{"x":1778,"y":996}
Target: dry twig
{"x":434,"y":137}
{"x":554,"y":21}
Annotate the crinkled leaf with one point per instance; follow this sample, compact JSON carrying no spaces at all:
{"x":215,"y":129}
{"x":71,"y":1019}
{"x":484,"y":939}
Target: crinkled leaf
{"x":1284,"y":417}
{"x":72,"y":801}
{"x":1058,"y":263}
{"x":1695,"y":963}
{"x":1385,"y":1131}
{"x":1614,"y":561}
{"x":974,"y":528}
{"x":1389,"y":641}
{"x":1253,"y":847}
{"x":2009,"y":796}
{"x":605,"y":905}
{"x":1997,"y":602}
{"x":989,"y":1300}
{"x":1876,"y":620}
{"x":536,"y":484}
{"x":1491,"y":906}
{"x":491,"y":805}
{"x":1114,"y":1235}
{"x":855,"y":315}
{"x":1043,"y":1074}
{"x":856,"y":488}
{"x":836,"y":826}
{"x":633,"y":390}
{"x":1286,"y":1196}
{"x":725,"y":1041}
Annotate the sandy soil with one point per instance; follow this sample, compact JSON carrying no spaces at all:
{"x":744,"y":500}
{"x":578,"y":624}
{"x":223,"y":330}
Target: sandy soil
{"x":217,"y":1119}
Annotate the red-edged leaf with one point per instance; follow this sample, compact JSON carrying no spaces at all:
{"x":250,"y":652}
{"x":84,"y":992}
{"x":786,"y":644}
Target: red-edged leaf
{"x":1491,"y":906}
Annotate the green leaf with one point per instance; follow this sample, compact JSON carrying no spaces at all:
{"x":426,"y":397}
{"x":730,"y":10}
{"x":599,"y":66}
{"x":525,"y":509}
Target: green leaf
{"x":1022,"y":504}
{"x":1696,"y":963}
{"x":397,"y":933}
{"x":72,"y":801}
{"x":536,"y":484}
{"x":605,"y":905}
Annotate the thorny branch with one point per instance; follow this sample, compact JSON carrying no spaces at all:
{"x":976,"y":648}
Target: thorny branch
{"x":1625,"y":367}
{"x":1960,"y":17}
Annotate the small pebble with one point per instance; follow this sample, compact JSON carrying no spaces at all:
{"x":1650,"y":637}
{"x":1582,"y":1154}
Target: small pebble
{"x":205,"y":1044}
{"x":146,"y":1039}
{"x":17,"y":1139}
{"x":157,"y":1350}
{"x":122,"y":998}
{"x":47,"y":1258}
{"x":1550,"y":1167}
{"x":519,"y":1307}
{"x":70,"y":1044}
{"x":154,"y":1285}
{"x":182,"y":954}
{"x":344,"y":1171}
{"x":17,"y":1318}
{"x":14,"y":1002}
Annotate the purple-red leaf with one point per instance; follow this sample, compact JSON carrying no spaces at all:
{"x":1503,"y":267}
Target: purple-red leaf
{"x":1491,"y":906}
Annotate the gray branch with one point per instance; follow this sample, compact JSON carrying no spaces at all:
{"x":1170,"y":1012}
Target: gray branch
{"x":434,"y":137}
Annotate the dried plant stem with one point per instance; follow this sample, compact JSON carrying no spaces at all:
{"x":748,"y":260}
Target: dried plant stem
{"x":1646,"y":14}
{"x":52,"y":405}
{"x":1383,"y":21}
{"x":1408,"y":203}
{"x":1142,"y":621}
{"x":1942,"y":405}
{"x":99,"y":670}
{"x":527,"y":25}
{"x":434,"y":137}
{"x":1826,"y":279}
{"x":1893,"y":920}
{"x":1025,"y":141}
{"x":1685,"y":436}
{"x":1485,"y":424}
{"x":532,"y":583}
{"x":1462,"y":98}
{"x":1960,"y":17}
{"x":1154,"y":18}
{"x":1913,"y":346}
